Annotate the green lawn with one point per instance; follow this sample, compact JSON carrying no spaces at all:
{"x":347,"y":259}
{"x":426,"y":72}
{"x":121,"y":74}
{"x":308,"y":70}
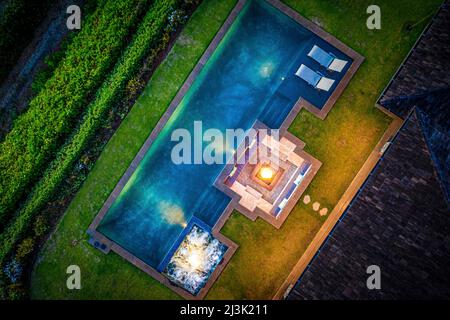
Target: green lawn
{"x":266,"y":255}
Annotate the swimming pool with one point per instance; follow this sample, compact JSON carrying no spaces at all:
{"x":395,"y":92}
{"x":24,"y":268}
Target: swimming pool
{"x":249,"y":76}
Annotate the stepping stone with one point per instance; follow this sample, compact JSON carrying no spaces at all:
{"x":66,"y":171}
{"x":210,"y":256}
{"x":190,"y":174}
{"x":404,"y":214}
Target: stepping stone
{"x":316,"y":206}
{"x":323,"y":211}
{"x":306,"y":199}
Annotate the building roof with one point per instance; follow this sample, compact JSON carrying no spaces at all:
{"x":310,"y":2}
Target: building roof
{"x":434,"y":115}
{"x":399,"y":221}
{"x":400,"y":218}
{"x":433,"y":111}
{"x":427,"y":67}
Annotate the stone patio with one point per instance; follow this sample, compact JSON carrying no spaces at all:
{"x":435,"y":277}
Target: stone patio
{"x":293,"y":171}
{"x":246,"y":189}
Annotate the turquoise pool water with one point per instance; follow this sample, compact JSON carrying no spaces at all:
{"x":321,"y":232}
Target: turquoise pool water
{"x":250,"y":76}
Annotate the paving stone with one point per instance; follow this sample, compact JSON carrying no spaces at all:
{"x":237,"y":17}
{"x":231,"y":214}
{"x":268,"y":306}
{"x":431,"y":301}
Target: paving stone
{"x":316,"y":206}
{"x":307,"y":199}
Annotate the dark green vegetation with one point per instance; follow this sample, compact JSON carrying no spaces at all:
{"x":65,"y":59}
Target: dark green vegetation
{"x":265,"y":255}
{"x":146,"y":37}
{"x":29,"y":74}
{"x":150,"y":38}
{"x":52,"y":114}
{"x":51,"y":63}
{"x":18,"y":20}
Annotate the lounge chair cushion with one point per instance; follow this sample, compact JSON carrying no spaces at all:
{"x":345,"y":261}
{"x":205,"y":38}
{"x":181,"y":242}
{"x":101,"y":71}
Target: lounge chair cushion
{"x":326,"y":59}
{"x":313,"y":78}
{"x":337,"y":65}
{"x":308,"y":75}
{"x":321,"y":56}
{"x":325,"y":84}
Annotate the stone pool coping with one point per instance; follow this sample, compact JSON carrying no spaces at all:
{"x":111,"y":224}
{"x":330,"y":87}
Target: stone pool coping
{"x":278,"y":221}
{"x":356,"y":57}
{"x":301,"y":103}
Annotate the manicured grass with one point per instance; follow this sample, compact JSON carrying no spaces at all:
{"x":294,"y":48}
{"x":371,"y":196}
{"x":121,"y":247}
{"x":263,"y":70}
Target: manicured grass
{"x":118,"y":278}
{"x":266,"y":255}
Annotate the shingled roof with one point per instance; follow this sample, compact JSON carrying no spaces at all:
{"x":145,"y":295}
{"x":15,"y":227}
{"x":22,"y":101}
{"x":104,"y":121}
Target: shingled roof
{"x":399,"y":221}
{"x":400,"y":218}
{"x":427,"y":67}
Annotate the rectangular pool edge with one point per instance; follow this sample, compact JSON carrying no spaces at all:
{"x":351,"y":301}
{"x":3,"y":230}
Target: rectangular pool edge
{"x":358,"y":59}
{"x":92,"y":229}
{"x":168,"y":113}
{"x":301,"y":103}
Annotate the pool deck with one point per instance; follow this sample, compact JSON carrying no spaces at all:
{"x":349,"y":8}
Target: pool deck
{"x":277,"y":221}
{"x":232,"y":247}
{"x":339,"y":209}
{"x":357,"y":60}
{"x":301,"y":103}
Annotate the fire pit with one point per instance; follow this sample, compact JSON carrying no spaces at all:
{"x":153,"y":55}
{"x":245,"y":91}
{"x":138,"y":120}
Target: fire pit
{"x":267,"y":175}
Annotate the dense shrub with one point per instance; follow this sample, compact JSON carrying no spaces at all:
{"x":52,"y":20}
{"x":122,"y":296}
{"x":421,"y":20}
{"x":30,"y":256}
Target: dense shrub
{"x":134,"y":85}
{"x":53,"y":59}
{"x":150,"y":38}
{"x":51,"y":62}
{"x":16,"y":291}
{"x":24,"y":249}
{"x":39,"y":132}
{"x":13,"y":270}
{"x":18,"y":20}
{"x":40,"y":226}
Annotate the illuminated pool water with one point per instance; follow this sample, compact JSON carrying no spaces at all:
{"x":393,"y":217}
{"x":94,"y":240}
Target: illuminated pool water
{"x":195,"y":259}
{"x":250,"y":76}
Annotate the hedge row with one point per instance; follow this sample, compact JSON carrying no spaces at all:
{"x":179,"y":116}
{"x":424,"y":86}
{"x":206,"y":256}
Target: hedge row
{"x":18,"y":21}
{"x":151,"y":35}
{"x":52,"y":60}
{"x":50,"y":63}
{"x":39,"y":132}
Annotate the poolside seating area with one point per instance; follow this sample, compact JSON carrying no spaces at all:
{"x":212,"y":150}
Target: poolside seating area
{"x":314,"y":78}
{"x":327,"y":60}
{"x":268,"y":188}
{"x":270,"y":196}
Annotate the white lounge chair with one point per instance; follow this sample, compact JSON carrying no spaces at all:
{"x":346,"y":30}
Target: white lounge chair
{"x":314,"y":79}
{"x":328,"y":60}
